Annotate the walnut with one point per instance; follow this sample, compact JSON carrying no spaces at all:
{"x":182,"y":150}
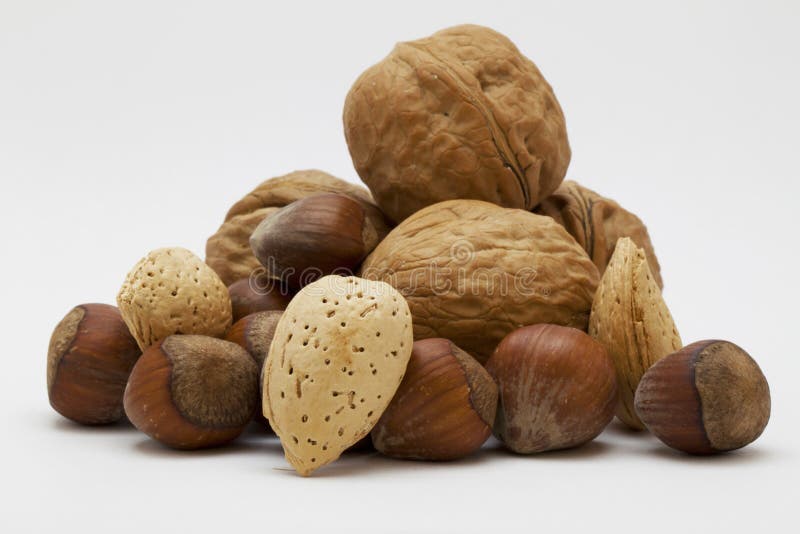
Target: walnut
{"x":597,"y":223}
{"x":460,"y":114}
{"x":228,"y":250}
{"x":472,"y":272}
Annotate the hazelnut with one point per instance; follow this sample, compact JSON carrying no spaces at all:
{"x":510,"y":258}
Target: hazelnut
{"x":90,"y":356}
{"x":443,"y":410}
{"x":706,"y":398}
{"x":228,"y":250}
{"x":190,"y":392}
{"x":254,"y":334}
{"x":314,"y":237}
{"x":557,"y":386}
{"x":251,"y":295}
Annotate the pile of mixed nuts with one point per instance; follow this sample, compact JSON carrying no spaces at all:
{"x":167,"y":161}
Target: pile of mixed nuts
{"x":470,"y":291}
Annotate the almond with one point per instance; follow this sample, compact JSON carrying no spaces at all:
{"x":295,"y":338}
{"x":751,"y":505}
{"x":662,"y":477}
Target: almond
{"x":630,"y":318}
{"x":337,"y":357}
{"x":171,"y":291}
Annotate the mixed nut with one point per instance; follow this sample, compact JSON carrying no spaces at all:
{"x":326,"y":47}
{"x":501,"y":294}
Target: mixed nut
{"x":470,"y":292}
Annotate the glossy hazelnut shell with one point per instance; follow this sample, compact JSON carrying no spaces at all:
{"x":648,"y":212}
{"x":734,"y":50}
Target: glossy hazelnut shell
{"x":151,"y":405}
{"x":314,"y":237}
{"x":443,"y":409}
{"x":557,"y":386}
{"x":706,"y":398}
{"x":254,"y":334}
{"x":252,"y":296}
{"x":90,"y":356}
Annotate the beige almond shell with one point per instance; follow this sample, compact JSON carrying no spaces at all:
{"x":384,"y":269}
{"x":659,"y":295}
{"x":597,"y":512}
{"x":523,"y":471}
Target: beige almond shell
{"x":630,"y":318}
{"x":337,"y":357}
{"x":172,"y":291}
{"x":596,"y":223}
{"x":473,"y":272}
{"x":460,"y":114}
{"x":228,"y":250}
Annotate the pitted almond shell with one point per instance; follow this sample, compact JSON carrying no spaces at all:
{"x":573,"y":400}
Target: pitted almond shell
{"x":337,"y":357}
{"x":630,"y":318}
{"x":172,"y":291}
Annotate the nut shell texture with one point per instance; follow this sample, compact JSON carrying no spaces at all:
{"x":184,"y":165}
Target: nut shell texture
{"x":460,"y":114}
{"x":90,"y":356}
{"x":252,"y":295}
{"x":316,"y":236}
{"x":228,"y":250}
{"x":443,"y":410}
{"x":709,"y":397}
{"x":597,"y":223}
{"x":191,"y":392}
{"x":171,"y":291}
{"x":472,"y":272}
{"x":632,"y":321}
{"x":254,"y":334}
{"x":338,"y":355}
{"x":557,"y":388}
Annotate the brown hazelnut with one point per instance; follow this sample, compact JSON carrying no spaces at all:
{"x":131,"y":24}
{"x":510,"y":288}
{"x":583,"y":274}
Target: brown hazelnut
{"x":314,"y":237}
{"x":444,"y":408}
{"x":228,"y":250}
{"x":708,"y":397}
{"x":251,"y":295}
{"x":90,"y":356}
{"x":557,"y":386}
{"x":254,"y":334}
{"x":190,"y":392}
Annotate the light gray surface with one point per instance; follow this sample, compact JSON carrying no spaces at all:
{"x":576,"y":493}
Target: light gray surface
{"x":124,"y":129}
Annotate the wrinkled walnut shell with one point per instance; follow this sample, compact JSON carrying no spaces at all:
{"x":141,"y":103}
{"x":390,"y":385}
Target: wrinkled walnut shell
{"x":472,"y":272}
{"x":597,"y":223}
{"x":460,"y":114}
{"x":228,"y":250}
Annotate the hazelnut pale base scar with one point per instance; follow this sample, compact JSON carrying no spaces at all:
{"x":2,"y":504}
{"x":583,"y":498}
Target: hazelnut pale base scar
{"x":192,"y":392}
{"x":709,"y":397}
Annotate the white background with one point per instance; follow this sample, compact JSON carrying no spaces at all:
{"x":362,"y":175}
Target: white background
{"x":127,"y":127}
